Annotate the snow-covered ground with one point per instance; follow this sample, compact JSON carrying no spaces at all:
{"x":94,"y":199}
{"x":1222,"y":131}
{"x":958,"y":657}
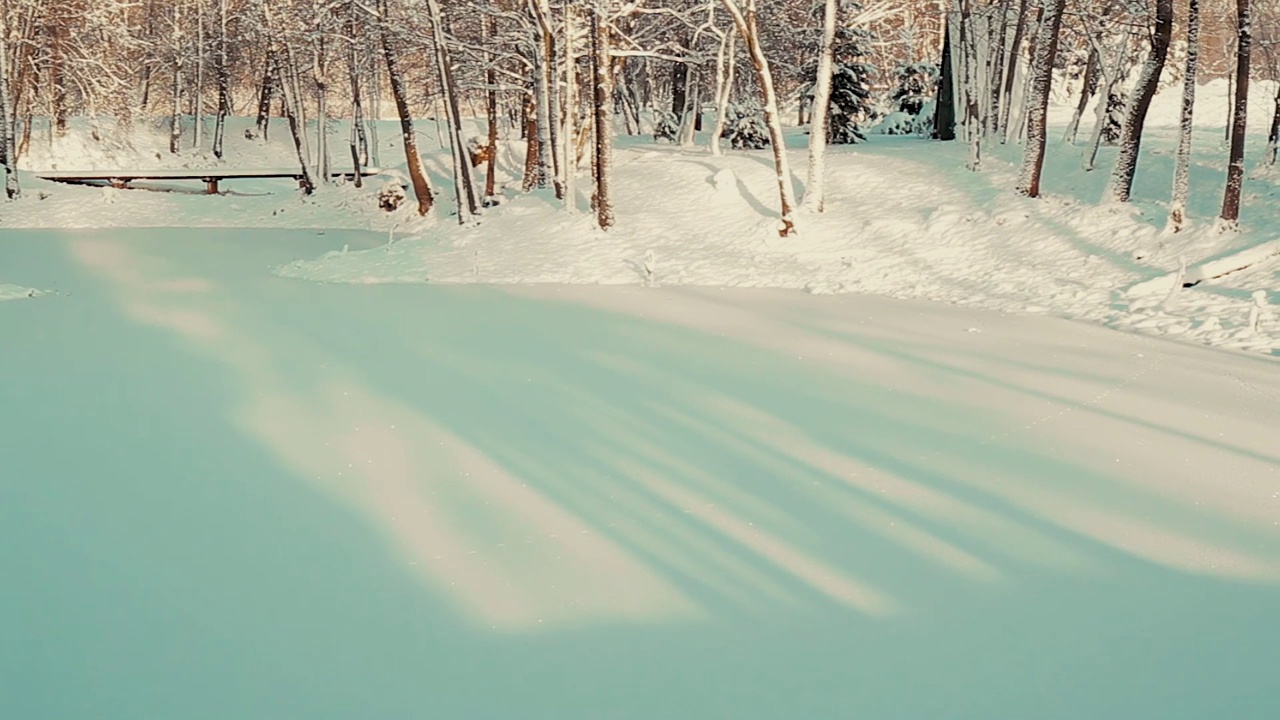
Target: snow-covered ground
{"x":905,"y":220}
{"x":229,"y":494}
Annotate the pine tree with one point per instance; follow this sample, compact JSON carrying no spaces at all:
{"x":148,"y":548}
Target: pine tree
{"x":850,"y":105}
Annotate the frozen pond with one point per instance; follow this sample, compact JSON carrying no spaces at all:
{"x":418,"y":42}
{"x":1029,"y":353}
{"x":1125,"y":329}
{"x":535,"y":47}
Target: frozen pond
{"x":225,"y":494}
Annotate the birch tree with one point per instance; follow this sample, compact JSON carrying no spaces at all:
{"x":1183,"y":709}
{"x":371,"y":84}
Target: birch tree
{"x":1182,"y":164}
{"x":8,"y":123}
{"x":464,"y":190}
{"x":746,"y":19}
{"x":814,"y":189}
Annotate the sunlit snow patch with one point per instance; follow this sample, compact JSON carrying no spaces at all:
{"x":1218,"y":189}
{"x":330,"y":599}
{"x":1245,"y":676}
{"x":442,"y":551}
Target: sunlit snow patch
{"x":17,"y":292}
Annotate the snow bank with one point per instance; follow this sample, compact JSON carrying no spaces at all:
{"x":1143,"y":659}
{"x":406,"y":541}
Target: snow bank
{"x":904,"y":220}
{"x":17,"y":292}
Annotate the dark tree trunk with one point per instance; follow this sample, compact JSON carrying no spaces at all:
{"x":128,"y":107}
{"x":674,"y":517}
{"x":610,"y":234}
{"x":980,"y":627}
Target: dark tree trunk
{"x":532,"y":162}
{"x":417,"y":176}
{"x":1088,"y":87}
{"x":1240,"y":114}
{"x":602,"y":80}
{"x":679,"y":89}
{"x":57,"y":75}
{"x":1273,"y":138}
{"x":491,"y":115}
{"x":1038,"y":99}
{"x":224,"y":82}
{"x":1131,"y":133}
{"x":944,"y":118}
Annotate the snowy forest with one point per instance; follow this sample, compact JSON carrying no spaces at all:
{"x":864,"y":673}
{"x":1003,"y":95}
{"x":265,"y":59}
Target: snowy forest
{"x":568,"y":75}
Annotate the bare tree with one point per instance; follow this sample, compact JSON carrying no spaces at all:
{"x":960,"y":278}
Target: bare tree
{"x":1038,"y":100}
{"x":746,"y":18}
{"x":814,"y":191}
{"x":417,"y":176}
{"x":1239,"y":116}
{"x":602,"y":80}
{"x":8,"y":124}
{"x":1136,"y":116}
{"x":1182,"y":165}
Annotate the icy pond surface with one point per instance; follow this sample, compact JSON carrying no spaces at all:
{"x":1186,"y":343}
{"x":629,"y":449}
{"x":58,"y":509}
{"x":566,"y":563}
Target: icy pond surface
{"x":226,"y":494}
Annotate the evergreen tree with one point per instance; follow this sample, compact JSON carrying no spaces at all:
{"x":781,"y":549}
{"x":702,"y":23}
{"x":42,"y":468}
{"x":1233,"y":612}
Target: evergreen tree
{"x":851,"y":107}
{"x":745,"y":127}
{"x":917,"y":83}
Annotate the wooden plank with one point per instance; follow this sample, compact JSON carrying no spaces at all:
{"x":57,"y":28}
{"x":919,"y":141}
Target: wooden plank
{"x":206,"y":174}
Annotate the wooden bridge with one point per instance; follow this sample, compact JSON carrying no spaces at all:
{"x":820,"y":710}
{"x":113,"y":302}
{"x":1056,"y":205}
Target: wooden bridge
{"x":209,"y":176}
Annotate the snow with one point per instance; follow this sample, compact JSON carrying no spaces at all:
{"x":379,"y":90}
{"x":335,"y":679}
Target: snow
{"x":16,"y":292}
{"x":576,"y":501}
{"x":905,"y":220}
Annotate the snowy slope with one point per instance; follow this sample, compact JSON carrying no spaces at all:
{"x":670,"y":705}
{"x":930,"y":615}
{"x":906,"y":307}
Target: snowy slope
{"x":905,"y":220}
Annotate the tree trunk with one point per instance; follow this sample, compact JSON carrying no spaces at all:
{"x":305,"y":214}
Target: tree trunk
{"x":991,"y":122}
{"x":602,"y":165}
{"x":679,"y":90}
{"x":58,"y":75}
{"x":224,"y":82}
{"x":1038,"y":99}
{"x":1182,"y":164}
{"x":1273,"y":138}
{"x":357,"y":139}
{"x":491,"y":114}
{"x":1088,"y":87}
{"x":1020,"y":126}
{"x":307,"y":182}
{"x":464,"y":190}
{"x":417,"y":176}
{"x":375,"y":110}
{"x":197,"y":101}
{"x":8,"y":123}
{"x":748,"y":26}
{"x":944,"y":113}
{"x":533,"y":168}
{"x":318,"y":66}
{"x":570,"y":115}
{"x":1148,"y":82}
{"x":175,"y":117}
{"x":814,"y":191}
{"x":264,"y":96}
{"x":1011,"y":70}
{"x":724,"y":88}
{"x":549,"y":100}
{"x":1239,"y":116}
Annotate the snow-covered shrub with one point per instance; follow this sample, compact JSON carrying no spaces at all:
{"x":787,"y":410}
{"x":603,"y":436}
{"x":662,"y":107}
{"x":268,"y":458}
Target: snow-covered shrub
{"x":745,"y":128}
{"x":666,"y":126}
{"x":391,"y":196}
{"x":1116,"y":107}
